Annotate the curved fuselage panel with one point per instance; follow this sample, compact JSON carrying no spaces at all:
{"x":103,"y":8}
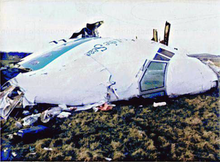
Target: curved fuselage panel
{"x":93,"y":70}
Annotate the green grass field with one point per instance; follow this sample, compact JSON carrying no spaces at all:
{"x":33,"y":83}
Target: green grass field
{"x":186,"y":129}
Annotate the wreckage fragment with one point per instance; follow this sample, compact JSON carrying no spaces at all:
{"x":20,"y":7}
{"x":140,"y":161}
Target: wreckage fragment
{"x":48,"y":114}
{"x":56,"y":111}
{"x":7,"y":104}
{"x":89,"y":31}
{"x":109,"y":71}
{"x":5,"y":154}
{"x":64,"y":115}
{"x":159,"y":104}
{"x":33,"y":131}
{"x":6,"y":91}
{"x":105,"y":107}
{"x":31,"y":119}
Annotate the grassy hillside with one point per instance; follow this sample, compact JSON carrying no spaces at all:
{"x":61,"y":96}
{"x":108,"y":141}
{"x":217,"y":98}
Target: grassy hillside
{"x":11,"y":57}
{"x":205,"y":57}
{"x":186,"y":129}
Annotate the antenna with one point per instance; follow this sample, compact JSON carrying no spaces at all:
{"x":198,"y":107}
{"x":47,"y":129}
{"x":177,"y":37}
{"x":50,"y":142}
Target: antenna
{"x":155,"y":36}
{"x":166,"y":34}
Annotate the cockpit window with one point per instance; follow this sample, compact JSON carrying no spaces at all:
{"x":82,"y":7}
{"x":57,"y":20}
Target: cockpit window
{"x":160,"y":57}
{"x":154,"y":76}
{"x":165,"y":52}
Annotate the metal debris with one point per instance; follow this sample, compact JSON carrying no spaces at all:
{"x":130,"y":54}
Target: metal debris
{"x":14,"y":154}
{"x":64,"y":115}
{"x":47,"y":149}
{"x":159,"y":104}
{"x":31,"y":119}
{"x":49,"y":114}
{"x":31,"y":131}
{"x":7,"y":104}
{"x":108,"y":159}
{"x":18,"y":124}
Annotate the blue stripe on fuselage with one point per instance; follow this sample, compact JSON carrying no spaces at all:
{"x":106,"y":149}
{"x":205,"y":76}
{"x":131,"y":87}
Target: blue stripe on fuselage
{"x":46,"y":58}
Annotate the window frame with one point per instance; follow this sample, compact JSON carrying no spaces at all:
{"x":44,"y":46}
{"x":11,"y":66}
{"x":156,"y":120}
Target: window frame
{"x":164,"y":78}
{"x":161,"y":57}
{"x":165,"y":52}
{"x":153,"y":93}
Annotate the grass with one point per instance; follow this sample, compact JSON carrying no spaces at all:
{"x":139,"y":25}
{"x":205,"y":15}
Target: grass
{"x":185,"y":129}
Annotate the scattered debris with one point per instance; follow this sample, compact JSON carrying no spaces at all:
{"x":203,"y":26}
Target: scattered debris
{"x":23,"y":133}
{"x":95,"y":109}
{"x":108,"y":159}
{"x":159,"y":104}
{"x":26,"y":112}
{"x":18,"y":124}
{"x":64,"y":114}
{"x":47,"y":149}
{"x":105,"y":107}
{"x":10,"y":136}
{"x":89,"y":106}
{"x":54,"y":111}
{"x":130,"y":133}
{"x":14,"y":154}
{"x":6,"y":103}
{"x":5,"y":154}
{"x":49,"y":114}
{"x":31,"y":119}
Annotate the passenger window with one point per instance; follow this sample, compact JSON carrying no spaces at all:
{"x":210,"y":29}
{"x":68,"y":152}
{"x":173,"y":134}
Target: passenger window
{"x":154,"y":76}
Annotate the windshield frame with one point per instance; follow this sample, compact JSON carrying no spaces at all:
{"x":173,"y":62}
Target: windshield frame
{"x":152,"y":90}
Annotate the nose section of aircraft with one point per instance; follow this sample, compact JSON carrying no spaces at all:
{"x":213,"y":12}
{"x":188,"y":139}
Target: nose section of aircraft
{"x":189,"y":76}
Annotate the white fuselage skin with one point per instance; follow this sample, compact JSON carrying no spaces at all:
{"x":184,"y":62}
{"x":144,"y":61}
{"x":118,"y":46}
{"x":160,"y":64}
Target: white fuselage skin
{"x":106,"y":69}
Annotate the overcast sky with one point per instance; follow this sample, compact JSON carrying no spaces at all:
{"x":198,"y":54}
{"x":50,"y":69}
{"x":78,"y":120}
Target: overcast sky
{"x":28,"y":25}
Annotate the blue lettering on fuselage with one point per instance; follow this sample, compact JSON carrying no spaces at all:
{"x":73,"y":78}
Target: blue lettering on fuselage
{"x":102,"y":47}
{"x":97,"y":48}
